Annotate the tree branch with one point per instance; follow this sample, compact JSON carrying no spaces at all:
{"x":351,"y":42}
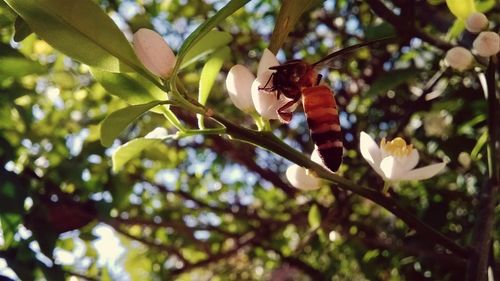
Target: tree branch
{"x":271,"y":142}
{"x":477,"y":267}
{"x":404,"y":27}
{"x":161,"y":247}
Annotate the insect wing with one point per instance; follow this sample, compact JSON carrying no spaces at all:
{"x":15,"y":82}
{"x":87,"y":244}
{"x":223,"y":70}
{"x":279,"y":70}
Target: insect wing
{"x":330,"y":59}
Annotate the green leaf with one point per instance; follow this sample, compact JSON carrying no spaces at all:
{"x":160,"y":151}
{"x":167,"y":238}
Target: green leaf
{"x":461,"y":8}
{"x":130,"y":87}
{"x":209,"y":73}
{"x":384,"y":29}
{"x":105,"y":275}
{"x":19,"y":67}
{"x":134,"y":89}
{"x":204,"y":29}
{"x":289,"y":14}
{"x":486,"y":6}
{"x":314,"y":217}
{"x":131,"y":149}
{"x":12,"y":193}
{"x":21,"y":29}
{"x":209,"y":43}
{"x":481,"y":142}
{"x":117,"y":121}
{"x":9,"y":222}
{"x":456,"y":29}
{"x":390,"y":80}
{"x":81,"y":30}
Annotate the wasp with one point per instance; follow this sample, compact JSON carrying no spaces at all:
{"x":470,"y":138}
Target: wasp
{"x":298,"y":80}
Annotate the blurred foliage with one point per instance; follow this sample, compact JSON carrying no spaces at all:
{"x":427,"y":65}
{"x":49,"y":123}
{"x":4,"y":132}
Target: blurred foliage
{"x":208,"y":208}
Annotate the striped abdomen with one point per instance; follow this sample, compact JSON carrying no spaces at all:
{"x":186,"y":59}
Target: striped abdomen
{"x":323,"y":120}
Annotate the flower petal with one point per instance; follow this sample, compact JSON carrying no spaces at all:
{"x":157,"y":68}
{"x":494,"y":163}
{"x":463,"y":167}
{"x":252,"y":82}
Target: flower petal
{"x":409,"y":162}
{"x":370,"y":151}
{"x":423,"y":173}
{"x":390,"y":168}
{"x":153,"y":52}
{"x":267,"y":60}
{"x":239,"y":83}
{"x":299,"y":178}
{"x":266,"y":103}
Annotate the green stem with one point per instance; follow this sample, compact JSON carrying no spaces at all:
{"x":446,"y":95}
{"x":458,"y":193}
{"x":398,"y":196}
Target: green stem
{"x":387,"y":185}
{"x":213,"y":131}
{"x":172,"y":118}
{"x":267,"y":140}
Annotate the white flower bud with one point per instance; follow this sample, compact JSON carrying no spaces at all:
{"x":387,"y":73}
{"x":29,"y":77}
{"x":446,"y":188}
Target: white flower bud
{"x":153,"y":52}
{"x":459,"y":58}
{"x":157,"y":133}
{"x":239,"y":83}
{"x":476,"y":22}
{"x":487,"y":44}
{"x":464,"y":159}
{"x":301,"y":179}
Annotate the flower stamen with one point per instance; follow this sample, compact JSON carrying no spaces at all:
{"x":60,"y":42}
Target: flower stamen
{"x":397,"y":147}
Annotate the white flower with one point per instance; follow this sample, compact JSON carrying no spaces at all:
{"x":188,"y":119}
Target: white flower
{"x":464,"y":159}
{"x":395,"y":160}
{"x":157,"y":133}
{"x":153,"y":52}
{"x":459,"y":58}
{"x":238,"y":83}
{"x":301,"y":178}
{"x":476,"y":22}
{"x":242,"y":86}
{"x":487,"y":44}
{"x":266,"y":103}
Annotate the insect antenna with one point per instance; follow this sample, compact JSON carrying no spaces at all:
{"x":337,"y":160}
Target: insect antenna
{"x":347,"y":50}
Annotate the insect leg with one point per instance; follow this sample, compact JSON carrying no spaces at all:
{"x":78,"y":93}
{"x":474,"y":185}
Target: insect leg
{"x":286,"y":116}
{"x":269,"y":89}
{"x":318,"y":79}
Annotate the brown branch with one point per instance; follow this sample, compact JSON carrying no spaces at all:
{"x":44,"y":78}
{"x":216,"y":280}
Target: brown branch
{"x":477,"y":267}
{"x":243,"y":241}
{"x":161,"y":247}
{"x":270,"y":142}
{"x":404,"y":27}
{"x":304,"y":267}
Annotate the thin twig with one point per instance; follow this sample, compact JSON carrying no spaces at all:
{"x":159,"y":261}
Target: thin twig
{"x":404,"y":27}
{"x":419,"y":102}
{"x":477,"y":267}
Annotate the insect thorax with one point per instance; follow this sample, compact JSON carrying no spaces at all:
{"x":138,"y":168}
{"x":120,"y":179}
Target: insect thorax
{"x":290,"y":77}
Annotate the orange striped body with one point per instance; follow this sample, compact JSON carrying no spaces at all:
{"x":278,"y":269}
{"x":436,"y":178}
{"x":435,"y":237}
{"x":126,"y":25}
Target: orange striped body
{"x":323,"y":120}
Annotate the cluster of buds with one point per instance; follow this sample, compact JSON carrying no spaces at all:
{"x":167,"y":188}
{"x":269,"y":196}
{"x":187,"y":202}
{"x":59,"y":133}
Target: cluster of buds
{"x":486,"y":44}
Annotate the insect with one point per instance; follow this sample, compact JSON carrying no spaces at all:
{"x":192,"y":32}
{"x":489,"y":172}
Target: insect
{"x":296,"y":80}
